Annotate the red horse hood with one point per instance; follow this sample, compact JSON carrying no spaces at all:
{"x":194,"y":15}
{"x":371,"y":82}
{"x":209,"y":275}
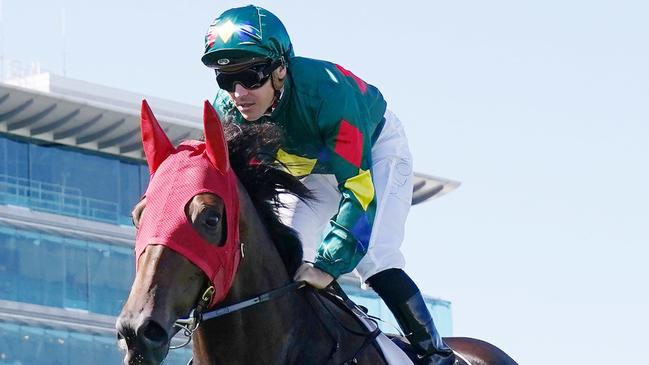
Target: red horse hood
{"x":177,"y":175}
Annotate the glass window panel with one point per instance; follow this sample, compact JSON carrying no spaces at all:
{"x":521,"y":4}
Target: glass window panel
{"x":105,"y":348}
{"x":390,"y":324}
{"x":30,"y":277}
{"x":8,"y":264}
{"x":123,"y":261}
{"x":76,"y":274}
{"x":45,"y":186}
{"x":15,"y":161}
{"x":111,"y":275}
{"x":62,"y":180}
{"x":144,"y":178}
{"x":129,"y":190}
{"x":80,"y":349}
{"x":24,"y":275}
{"x":102,"y":190}
{"x":5,"y":189}
{"x":55,"y":345}
{"x":442,"y":315}
{"x":13,"y":172}
{"x":74,"y":183}
{"x":372,"y":304}
{"x":32,"y":348}
{"x":99,"y":274}
{"x":10,"y":343}
{"x":33,"y":345}
{"x":52,"y":273}
{"x":3,"y":155}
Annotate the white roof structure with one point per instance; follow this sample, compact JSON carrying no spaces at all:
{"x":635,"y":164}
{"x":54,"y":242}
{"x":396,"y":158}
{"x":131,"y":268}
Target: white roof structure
{"x":89,"y":116}
{"x":53,"y":108}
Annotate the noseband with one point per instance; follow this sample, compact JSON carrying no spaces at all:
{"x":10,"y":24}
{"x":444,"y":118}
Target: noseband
{"x":197,"y":315}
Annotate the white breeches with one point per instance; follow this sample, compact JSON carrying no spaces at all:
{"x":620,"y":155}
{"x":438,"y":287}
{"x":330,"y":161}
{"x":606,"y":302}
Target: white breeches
{"x":392,"y":179}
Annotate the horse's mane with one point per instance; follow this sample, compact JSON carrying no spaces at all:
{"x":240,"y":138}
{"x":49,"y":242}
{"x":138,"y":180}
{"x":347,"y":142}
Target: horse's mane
{"x":252,"y":147}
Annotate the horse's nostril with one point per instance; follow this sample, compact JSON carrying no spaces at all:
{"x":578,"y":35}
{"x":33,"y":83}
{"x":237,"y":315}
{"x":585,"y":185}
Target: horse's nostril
{"x":121,"y":342}
{"x":125,"y":333}
{"x":154,"y":335}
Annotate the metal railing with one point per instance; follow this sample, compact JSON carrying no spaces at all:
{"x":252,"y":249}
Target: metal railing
{"x":54,"y":198}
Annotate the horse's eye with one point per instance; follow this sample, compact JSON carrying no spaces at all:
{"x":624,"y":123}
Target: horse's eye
{"x":205,"y":212}
{"x":212,"y":219}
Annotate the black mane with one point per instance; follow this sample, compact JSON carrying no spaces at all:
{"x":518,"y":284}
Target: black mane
{"x":252,"y":147}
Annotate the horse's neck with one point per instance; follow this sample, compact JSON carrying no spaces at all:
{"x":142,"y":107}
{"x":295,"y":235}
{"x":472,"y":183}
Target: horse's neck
{"x":261,"y":268}
{"x":270,"y":330}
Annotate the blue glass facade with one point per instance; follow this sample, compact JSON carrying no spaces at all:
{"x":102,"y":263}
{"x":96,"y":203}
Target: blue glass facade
{"x":56,"y":270}
{"x":35,"y":345}
{"x":61,"y":180}
{"x":61,"y":272}
{"x":23,"y":344}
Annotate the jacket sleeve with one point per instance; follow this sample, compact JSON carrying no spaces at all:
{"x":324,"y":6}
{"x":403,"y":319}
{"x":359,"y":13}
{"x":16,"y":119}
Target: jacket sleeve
{"x":223,"y":106}
{"x":344,"y":124}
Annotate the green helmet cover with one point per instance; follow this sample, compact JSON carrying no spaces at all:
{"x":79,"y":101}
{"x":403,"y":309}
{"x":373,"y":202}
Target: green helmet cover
{"x":243,"y":33}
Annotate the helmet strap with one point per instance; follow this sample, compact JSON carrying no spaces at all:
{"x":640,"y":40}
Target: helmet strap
{"x":278,"y":87}
{"x":273,"y":106}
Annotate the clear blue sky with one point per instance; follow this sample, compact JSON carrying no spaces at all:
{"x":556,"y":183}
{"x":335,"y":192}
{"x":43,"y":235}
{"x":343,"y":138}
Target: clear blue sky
{"x":540,"y":109}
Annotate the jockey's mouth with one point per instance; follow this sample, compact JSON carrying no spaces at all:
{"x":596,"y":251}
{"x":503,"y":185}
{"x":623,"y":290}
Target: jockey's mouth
{"x":242,"y":106}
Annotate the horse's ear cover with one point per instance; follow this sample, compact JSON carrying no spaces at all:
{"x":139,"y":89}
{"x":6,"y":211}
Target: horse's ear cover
{"x":216,"y":147}
{"x":155,"y":142}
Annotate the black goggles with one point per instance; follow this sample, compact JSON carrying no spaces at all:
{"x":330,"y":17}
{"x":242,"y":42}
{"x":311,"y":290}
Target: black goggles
{"x":250,"y":78}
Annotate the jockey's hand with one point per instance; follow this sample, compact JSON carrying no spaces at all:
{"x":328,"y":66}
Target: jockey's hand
{"x":313,"y":276}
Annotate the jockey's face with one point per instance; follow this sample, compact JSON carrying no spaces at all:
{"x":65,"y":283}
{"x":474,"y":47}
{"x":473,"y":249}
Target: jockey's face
{"x":253,"y":103}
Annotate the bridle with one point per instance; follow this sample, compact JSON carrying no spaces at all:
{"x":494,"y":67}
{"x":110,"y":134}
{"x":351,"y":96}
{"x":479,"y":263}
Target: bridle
{"x":198,"y":315}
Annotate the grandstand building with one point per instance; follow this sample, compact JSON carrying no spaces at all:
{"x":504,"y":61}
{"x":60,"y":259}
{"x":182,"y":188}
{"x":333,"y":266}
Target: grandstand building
{"x":71,"y":168}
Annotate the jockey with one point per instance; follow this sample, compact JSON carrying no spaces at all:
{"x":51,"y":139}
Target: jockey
{"x":345,"y":145}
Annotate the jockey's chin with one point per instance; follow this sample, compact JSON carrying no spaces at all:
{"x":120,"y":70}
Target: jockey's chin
{"x":248,"y":114}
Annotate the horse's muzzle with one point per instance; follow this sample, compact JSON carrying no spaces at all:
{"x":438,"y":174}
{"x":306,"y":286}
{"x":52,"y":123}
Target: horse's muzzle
{"x":144,"y":344}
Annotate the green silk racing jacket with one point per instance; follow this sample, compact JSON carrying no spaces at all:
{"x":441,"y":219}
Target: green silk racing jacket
{"x":330,"y":119}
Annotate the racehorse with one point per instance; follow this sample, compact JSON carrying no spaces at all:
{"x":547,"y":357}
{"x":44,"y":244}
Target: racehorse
{"x":214,"y":260}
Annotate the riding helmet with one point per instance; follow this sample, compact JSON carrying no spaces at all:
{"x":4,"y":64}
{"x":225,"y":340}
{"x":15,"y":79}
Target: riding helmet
{"x":242,"y":34}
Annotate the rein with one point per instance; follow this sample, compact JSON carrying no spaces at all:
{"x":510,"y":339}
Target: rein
{"x":337,"y":296}
{"x":190,"y":324}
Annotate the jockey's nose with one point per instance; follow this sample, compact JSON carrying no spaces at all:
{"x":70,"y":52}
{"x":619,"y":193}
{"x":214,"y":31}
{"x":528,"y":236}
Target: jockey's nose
{"x":239,"y":90}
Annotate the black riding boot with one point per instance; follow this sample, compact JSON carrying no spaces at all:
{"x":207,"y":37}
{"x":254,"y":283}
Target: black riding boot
{"x":404,"y":299}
